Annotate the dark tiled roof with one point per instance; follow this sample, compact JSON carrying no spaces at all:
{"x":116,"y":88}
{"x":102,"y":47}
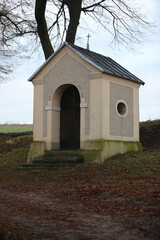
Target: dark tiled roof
{"x":102,"y":63}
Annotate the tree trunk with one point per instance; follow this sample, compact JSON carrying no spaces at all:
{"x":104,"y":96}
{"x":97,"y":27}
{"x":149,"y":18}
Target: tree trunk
{"x":42,"y":28}
{"x":74,"y":12}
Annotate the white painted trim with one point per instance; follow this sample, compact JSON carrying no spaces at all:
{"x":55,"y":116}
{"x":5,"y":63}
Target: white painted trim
{"x":83,"y":105}
{"x":47,"y":108}
{"x":126,"y":113}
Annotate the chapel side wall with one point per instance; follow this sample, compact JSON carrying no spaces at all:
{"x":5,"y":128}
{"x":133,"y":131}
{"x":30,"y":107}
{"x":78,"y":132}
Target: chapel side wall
{"x":105,"y":123}
{"x":120,"y":128}
{"x":95,"y":109}
{"x":38,"y":113}
{"x":136,"y":113}
{"x":105,"y":108}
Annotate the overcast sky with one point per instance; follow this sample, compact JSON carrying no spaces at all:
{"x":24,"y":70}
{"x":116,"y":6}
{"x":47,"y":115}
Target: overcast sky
{"x":16,"y":102}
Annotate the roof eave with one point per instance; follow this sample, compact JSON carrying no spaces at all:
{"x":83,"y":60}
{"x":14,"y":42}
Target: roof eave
{"x":44,"y":64}
{"x":139,"y":81}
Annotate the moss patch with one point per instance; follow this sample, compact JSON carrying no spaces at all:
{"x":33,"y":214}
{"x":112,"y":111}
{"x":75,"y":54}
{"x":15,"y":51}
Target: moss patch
{"x":101,"y":150}
{"x":37,"y":149}
{"x":112,"y":148}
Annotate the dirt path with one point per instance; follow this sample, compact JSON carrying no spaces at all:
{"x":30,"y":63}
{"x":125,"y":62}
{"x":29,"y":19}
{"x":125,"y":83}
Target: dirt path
{"x":49,"y":216}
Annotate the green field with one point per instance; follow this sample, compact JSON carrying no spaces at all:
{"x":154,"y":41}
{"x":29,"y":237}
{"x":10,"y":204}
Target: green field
{"x":15,"y":128}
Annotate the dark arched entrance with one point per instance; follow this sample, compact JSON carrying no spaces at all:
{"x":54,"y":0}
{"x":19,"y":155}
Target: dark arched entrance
{"x":70,"y":119}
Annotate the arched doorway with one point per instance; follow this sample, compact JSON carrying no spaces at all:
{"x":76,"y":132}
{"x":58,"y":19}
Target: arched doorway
{"x":70,"y":119}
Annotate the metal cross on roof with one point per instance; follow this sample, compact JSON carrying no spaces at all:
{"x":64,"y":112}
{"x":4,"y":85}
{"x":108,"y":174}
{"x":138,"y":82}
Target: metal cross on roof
{"x":88,"y":36}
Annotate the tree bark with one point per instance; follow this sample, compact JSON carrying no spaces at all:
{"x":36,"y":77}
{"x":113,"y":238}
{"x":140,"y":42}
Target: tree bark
{"x":42,"y":28}
{"x":74,"y":12}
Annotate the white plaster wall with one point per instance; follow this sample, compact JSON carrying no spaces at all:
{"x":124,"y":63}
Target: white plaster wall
{"x":105,"y":108}
{"x":95,"y":109}
{"x":100,"y":108}
{"x":135,"y":108}
{"x":38,"y":113}
{"x":53,"y":123}
{"x":67,"y":71}
{"x":136,"y":113}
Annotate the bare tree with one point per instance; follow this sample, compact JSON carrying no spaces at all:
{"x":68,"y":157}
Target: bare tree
{"x":16,"y":21}
{"x":69,"y":25}
{"x":58,"y":20}
{"x":118,"y":17}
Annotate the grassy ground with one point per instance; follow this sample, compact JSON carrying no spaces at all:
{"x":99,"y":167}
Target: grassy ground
{"x":126,"y":188}
{"x":15,"y":128}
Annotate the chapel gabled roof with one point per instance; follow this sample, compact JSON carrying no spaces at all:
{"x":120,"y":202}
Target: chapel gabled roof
{"x":101,"y":62}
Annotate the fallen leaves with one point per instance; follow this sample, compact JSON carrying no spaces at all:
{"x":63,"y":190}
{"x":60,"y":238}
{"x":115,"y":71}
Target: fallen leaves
{"x":119,"y":188}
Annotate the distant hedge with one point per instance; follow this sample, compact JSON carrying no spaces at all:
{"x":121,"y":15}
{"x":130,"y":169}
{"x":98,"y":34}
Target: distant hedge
{"x":150,"y":134}
{"x":13,"y":134}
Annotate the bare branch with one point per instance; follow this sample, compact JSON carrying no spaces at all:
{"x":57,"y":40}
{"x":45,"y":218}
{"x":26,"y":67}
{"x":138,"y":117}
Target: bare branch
{"x":120,"y":18}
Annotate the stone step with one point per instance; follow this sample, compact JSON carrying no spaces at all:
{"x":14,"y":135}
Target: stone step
{"x":54,"y":159}
{"x":59,"y":159}
{"x":87,"y":156}
{"x":44,"y":165}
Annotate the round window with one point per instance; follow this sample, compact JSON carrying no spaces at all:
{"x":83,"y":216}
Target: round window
{"x":121,"y":108}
